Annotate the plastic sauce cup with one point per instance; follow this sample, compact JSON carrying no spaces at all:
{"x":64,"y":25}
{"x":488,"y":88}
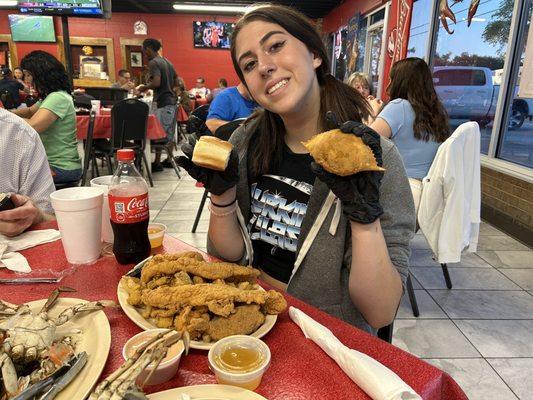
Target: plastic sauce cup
{"x":156,"y":233}
{"x":168,"y":366}
{"x":250,"y":379}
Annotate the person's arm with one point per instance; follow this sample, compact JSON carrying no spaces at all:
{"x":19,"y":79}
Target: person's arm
{"x":214,"y":123}
{"x":155,"y":78}
{"x":26,"y":112}
{"x":224,"y":232}
{"x":375,"y":285}
{"x":42,"y":120}
{"x":14,"y":222}
{"x":382,"y":127}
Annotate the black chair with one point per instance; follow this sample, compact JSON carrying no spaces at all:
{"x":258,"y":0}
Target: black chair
{"x":385,"y":333}
{"x":93,"y":150}
{"x":129,"y":121}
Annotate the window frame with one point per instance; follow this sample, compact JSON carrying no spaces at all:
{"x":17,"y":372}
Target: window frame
{"x":506,"y":94}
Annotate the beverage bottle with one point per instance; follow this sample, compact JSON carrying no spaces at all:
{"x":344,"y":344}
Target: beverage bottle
{"x":128,"y":207}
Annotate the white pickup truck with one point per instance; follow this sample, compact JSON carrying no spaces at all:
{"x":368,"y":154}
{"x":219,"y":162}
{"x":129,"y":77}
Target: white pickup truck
{"x":471,"y":93}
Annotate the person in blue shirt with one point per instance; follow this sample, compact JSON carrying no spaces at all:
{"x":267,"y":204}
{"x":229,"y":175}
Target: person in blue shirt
{"x":414,"y":119}
{"x":230,"y":104}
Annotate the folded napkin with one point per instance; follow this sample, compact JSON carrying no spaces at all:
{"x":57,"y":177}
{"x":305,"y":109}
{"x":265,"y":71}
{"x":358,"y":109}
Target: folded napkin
{"x":9,"y":247}
{"x":379,"y":382}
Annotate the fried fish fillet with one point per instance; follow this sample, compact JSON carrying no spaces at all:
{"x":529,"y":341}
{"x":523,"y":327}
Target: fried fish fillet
{"x":245,"y":320}
{"x":341,"y":153}
{"x":220,"y":299}
{"x":191,"y":264}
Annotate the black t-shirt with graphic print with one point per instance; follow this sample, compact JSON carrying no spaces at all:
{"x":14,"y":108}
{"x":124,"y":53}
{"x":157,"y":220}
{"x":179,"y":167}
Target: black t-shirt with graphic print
{"x":279,"y":203}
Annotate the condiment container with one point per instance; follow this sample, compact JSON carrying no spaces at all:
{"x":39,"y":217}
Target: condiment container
{"x":239,"y":360}
{"x":168,"y":366}
{"x":156,"y":233}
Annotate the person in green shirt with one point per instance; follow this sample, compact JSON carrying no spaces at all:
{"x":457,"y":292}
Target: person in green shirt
{"x":54,"y":116}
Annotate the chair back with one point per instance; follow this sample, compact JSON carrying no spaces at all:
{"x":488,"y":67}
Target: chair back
{"x":225,"y":131}
{"x":129,"y":121}
{"x":88,"y":146}
{"x":196,"y":123}
{"x":7,"y":99}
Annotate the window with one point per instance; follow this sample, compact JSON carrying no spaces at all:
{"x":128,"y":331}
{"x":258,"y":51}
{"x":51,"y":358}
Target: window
{"x":516,"y":143}
{"x":467,"y":59}
{"x":420,"y":24}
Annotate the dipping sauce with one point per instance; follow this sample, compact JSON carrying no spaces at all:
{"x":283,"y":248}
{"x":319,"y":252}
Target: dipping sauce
{"x":138,"y":341}
{"x":239,"y":360}
{"x":156,"y":233}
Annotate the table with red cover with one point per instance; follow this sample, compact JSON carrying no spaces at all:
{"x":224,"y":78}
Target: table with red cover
{"x":102,"y":127}
{"x":299,"y":370}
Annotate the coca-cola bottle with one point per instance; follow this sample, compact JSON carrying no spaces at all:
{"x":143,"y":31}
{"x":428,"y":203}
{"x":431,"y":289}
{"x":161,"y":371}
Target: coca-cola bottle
{"x":128,"y":207}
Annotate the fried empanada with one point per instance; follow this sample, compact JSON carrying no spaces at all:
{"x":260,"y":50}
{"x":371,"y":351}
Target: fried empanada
{"x":341,"y":153}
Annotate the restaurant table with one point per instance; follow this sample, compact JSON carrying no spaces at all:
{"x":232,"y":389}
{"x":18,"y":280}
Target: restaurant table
{"x":102,"y":127}
{"x":299,"y":370}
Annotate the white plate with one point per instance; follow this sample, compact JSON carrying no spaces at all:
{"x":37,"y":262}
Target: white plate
{"x":95,"y":339}
{"x":207,"y":392}
{"x":145,"y":324}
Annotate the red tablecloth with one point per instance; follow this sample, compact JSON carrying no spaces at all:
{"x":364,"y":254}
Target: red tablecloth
{"x":300,"y":370}
{"x":102,"y":127}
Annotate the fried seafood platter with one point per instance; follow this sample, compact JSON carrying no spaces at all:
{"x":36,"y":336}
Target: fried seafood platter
{"x":210,"y":300}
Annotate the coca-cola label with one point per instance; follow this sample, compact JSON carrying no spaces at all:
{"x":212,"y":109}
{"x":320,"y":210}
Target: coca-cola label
{"x":128,"y":210}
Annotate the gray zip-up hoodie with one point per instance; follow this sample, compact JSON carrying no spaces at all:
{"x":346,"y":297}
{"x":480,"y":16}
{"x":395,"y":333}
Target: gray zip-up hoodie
{"x":324,"y":252}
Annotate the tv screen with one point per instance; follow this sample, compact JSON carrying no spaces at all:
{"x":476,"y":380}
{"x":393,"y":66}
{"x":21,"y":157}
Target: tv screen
{"x":32,"y":28}
{"x":212,"y":35}
{"x":78,"y":8}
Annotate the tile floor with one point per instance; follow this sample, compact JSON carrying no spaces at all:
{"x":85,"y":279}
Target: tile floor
{"x":481,"y":331}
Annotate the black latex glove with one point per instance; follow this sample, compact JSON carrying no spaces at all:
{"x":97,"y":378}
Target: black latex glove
{"x":358,"y":193}
{"x":215,"y":182}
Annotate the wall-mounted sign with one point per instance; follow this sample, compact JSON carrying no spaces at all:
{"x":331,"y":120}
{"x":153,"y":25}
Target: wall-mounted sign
{"x":140,"y":28}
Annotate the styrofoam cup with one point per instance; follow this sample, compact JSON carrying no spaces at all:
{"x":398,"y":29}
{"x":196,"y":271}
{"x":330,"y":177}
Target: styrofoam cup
{"x":79,"y":217}
{"x":103,"y":182}
{"x":95,"y":105}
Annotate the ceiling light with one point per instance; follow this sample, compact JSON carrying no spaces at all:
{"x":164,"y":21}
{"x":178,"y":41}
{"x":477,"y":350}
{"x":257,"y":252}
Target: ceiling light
{"x":204,"y":8}
{"x":8,"y":3}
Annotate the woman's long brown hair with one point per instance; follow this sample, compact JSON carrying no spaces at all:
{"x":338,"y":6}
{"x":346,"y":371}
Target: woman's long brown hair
{"x":411,"y":80}
{"x":335,"y":96}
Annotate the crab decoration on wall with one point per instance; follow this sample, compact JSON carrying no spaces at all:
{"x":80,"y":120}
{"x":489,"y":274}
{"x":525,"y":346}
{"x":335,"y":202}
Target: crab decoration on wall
{"x":446,"y":13}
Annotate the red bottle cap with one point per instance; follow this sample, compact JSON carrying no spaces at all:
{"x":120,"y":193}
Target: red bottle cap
{"x":125,"y":155}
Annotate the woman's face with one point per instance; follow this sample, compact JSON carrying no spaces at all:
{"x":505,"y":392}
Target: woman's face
{"x":28,"y":77}
{"x":364,"y":90}
{"x":18,"y":74}
{"x":278,"y":69}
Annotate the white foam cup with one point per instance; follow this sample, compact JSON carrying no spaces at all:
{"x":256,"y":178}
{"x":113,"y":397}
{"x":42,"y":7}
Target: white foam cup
{"x":95,"y":105}
{"x":103,"y":182}
{"x":79,"y":217}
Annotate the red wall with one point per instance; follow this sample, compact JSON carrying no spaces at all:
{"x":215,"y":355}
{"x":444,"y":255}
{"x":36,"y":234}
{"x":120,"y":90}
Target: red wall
{"x":342,"y":14}
{"x":175,"y":31}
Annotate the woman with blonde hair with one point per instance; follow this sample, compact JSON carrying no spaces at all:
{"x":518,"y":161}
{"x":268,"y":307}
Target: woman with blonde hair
{"x":362,"y":84}
{"x":339,"y":243}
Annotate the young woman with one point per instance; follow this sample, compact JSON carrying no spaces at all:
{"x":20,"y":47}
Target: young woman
{"x":54,"y":118}
{"x":341,"y":244}
{"x":414,"y":119}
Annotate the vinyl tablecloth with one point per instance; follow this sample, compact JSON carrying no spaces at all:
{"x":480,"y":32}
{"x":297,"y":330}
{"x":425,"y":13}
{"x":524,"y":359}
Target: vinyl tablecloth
{"x":299,"y":370}
{"x":102,"y":127}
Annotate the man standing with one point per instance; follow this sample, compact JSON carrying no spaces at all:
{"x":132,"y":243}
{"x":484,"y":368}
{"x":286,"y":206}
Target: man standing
{"x":124,"y":80}
{"x":10,"y":89}
{"x":200,"y":91}
{"x":230,"y":104}
{"x":162,"y":80}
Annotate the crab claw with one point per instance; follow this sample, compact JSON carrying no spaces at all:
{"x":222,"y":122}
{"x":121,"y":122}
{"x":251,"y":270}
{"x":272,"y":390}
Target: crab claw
{"x":53,"y":297}
{"x":446,"y":12}
{"x":472,"y":10}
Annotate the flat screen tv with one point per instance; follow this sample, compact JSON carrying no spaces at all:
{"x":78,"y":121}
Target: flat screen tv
{"x":78,"y":8}
{"x":32,"y":28}
{"x":212,"y":35}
